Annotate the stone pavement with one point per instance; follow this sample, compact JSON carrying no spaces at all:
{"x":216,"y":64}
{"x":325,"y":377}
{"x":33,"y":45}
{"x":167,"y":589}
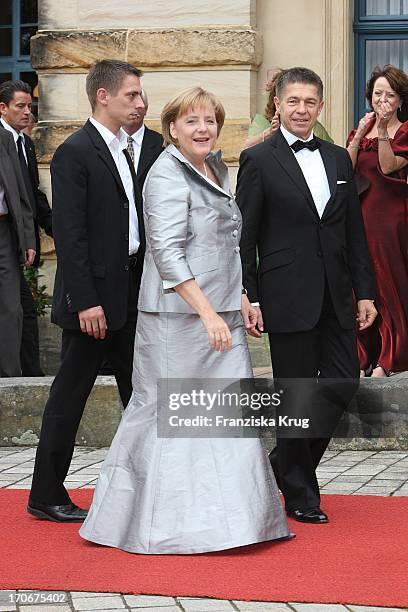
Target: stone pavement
{"x":344,"y":472}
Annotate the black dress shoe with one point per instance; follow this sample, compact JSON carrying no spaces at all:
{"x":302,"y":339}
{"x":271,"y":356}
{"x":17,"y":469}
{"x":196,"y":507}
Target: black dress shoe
{"x":67,"y":513}
{"x":313,"y":515}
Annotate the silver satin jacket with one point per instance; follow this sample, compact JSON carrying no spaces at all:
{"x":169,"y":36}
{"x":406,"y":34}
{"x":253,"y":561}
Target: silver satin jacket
{"x":193,"y":230}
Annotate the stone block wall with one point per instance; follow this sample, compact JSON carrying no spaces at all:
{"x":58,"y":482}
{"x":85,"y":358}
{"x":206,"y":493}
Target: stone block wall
{"x":177,"y":45}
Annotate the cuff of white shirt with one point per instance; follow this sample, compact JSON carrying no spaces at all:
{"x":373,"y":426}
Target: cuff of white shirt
{"x":255,"y":304}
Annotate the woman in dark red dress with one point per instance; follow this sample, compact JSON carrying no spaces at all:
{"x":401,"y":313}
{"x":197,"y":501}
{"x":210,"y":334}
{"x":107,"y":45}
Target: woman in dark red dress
{"x":379,"y":152}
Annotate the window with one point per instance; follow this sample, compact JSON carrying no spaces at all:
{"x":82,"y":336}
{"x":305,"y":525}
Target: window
{"x":381,"y":37}
{"x":18,"y":22}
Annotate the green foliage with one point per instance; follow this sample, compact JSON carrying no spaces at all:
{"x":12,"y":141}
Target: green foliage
{"x":40,"y":295}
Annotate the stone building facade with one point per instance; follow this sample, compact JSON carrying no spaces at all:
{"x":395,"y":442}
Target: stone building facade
{"x":224,"y":45}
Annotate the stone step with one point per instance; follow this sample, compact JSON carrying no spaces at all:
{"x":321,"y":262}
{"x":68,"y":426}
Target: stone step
{"x":22,"y":402}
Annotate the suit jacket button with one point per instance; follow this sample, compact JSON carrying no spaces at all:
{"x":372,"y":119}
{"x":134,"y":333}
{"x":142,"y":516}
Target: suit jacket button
{"x":321,"y":225}
{"x":235,"y":233}
{"x":126,"y":268}
{"x":236,"y":249}
{"x":319,"y":254}
{"x":125,"y":204}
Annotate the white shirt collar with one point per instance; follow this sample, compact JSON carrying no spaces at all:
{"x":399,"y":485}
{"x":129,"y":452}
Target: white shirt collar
{"x":108,"y":136}
{"x":8,"y":127}
{"x":136,"y":136}
{"x":291,"y":138}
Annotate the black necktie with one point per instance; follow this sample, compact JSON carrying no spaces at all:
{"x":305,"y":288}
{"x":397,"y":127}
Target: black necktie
{"x":26,"y":175}
{"x":312,"y":145}
{"x":130,"y":149}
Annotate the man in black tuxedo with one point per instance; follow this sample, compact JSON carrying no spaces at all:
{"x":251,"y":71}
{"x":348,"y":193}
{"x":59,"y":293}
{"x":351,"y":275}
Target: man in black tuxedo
{"x":301,"y":215}
{"x":100,"y":244}
{"x":15,"y":111}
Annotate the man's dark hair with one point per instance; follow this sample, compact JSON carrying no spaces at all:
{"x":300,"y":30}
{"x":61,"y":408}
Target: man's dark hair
{"x":108,"y":74}
{"x":9,"y":88}
{"x":298,"y":75}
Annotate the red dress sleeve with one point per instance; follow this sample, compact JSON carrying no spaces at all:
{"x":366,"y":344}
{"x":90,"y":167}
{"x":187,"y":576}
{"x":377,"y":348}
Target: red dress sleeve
{"x":400,"y":142}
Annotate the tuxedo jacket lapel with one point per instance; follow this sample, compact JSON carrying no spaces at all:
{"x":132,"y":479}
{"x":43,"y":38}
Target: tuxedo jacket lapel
{"x":104,"y":153}
{"x":31,"y":162}
{"x":330,"y":165}
{"x":285,"y":157}
{"x":33,"y":173}
{"x":146,"y":153}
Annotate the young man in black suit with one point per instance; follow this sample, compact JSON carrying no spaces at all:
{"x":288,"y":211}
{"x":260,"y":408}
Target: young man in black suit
{"x":301,"y":215}
{"x":144,"y":147}
{"x":15,"y":111}
{"x":100,"y":244}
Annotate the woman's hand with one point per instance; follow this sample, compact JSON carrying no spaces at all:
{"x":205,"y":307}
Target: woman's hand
{"x":219,"y":335}
{"x":273,"y":127}
{"x":364,"y":125}
{"x":275,"y":123}
{"x":384,"y":116}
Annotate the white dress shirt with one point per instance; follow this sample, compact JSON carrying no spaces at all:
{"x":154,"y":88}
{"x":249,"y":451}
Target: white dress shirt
{"x":137,"y":138}
{"x":116,"y":143}
{"x":15,"y":136}
{"x":313,"y":169}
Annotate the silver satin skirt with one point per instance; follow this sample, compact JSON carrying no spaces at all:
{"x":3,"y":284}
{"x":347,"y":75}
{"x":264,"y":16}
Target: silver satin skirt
{"x":182,"y":495}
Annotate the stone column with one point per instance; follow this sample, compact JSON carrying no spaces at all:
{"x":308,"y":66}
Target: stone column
{"x":339,"y":68}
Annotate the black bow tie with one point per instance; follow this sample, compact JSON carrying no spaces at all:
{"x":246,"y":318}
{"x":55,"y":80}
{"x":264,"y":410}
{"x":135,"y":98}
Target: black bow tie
{"x":312,"y":145}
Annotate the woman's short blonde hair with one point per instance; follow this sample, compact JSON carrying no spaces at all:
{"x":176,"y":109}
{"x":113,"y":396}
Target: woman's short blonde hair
{"x":181,"y":103}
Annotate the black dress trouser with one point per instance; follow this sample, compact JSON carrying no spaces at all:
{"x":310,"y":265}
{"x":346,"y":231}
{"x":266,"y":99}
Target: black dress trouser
{"x":81,"y":358}
{"x":327,"y":351}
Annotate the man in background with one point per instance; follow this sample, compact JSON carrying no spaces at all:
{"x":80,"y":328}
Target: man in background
{"x":15,"y":111}
{"x":17,"y":247}
{"x":144,"y":144}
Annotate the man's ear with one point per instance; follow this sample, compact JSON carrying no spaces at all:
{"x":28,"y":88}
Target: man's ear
{"x":3,"y":107}
{"x":102,"y":96}
{"x":321,"y":107}
{"x":277,"y":103}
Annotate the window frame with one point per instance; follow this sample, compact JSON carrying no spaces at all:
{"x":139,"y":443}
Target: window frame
{"x":371,"y":27}
{"x":16,"y":63}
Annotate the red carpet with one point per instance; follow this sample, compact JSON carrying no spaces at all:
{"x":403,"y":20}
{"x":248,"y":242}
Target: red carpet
{"x":360,"y":557}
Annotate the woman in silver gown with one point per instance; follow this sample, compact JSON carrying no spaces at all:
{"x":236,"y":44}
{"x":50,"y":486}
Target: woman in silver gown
{"x":186,"y":495}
